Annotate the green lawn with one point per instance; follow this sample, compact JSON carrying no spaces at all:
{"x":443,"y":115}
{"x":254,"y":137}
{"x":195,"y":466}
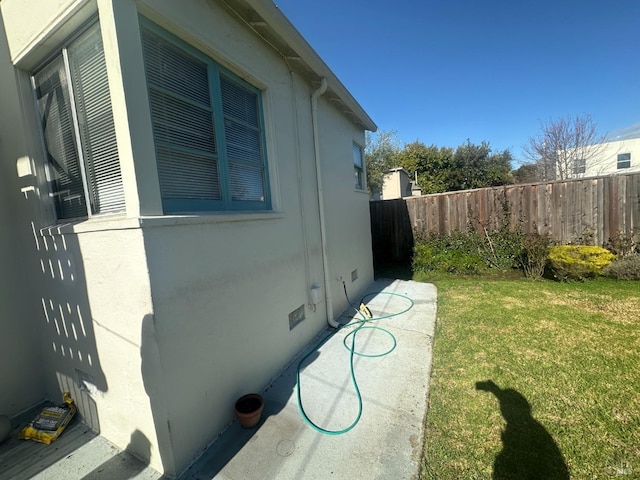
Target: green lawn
{"x":560,"y":370}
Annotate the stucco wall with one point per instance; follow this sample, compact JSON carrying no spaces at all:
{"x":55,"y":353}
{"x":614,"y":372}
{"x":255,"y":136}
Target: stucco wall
{"x":607,"y":158}
{"x":86,"y":287}
{"x":92,"y":289}
{"x":20,"y":360}
{"x":347,"y":209}
{"x":395,"y":184}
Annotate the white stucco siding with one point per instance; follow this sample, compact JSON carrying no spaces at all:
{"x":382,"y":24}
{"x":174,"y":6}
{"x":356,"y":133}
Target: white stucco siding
{"x":20,"y":357}
{"x":606,"y":161}
{"x":222,"y":294}
{"x":347,"y":209}
{"x":41,"y":25}
{"x":93,"y":295}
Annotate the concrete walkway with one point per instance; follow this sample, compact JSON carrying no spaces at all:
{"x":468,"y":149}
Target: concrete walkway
{"x":387,"y":442}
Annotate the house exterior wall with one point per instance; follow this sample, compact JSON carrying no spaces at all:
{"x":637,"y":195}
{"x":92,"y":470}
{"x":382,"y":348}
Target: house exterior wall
{"x":20,"y":356}
{"x":223,"y":286}
{"x":396,"y":184}
{"x":156,"y":324}
{"x":88,"y":282}
{"x":607,"y":158}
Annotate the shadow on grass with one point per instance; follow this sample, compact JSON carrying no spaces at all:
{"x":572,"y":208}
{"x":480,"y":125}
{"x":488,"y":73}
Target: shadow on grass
{"x":528,"y":451}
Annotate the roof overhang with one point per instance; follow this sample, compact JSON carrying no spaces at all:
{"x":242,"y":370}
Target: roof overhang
{"x":269,"y":23}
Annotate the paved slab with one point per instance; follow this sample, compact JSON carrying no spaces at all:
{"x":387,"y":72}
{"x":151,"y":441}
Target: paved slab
{"x":385,"y":444}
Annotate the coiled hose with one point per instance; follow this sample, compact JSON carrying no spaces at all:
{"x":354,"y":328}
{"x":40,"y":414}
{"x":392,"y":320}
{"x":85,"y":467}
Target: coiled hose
{"x":364,"y":323}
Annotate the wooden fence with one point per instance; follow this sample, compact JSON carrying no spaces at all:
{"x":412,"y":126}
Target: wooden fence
{"x":597,"y":208}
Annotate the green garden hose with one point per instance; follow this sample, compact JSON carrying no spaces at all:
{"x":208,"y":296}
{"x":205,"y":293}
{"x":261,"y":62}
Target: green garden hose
{"x":361,"y":325}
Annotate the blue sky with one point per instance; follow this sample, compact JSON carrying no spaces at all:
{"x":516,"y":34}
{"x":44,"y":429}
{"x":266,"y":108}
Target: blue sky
{"x":444,"y":71}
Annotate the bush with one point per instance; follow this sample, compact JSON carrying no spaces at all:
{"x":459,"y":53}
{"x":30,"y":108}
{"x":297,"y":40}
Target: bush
{"x":623,"y":244}
{"x":533,"y":256}
{"x":578,"y":262}
{"x":624,"y":268}
{"x":502,"y":248}
{"x":455,"y":253}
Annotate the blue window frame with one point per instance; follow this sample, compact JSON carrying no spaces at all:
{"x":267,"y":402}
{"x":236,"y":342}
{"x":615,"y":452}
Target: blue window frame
{"x":208,"y":129}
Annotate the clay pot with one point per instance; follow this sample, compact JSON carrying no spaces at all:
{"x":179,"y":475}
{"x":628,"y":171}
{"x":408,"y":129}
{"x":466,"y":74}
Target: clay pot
{"x":248,"y":409}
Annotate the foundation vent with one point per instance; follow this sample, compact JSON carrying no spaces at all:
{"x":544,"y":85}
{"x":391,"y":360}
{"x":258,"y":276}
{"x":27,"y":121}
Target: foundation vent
{"x":296,"y":317}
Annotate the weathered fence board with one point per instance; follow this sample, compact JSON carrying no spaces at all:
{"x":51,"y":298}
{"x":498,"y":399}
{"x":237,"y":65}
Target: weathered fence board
{"x":595,"y":208}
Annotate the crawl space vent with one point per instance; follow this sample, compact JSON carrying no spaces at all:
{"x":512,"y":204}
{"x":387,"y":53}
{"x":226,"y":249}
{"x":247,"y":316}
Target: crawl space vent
{"x":296,"y":317}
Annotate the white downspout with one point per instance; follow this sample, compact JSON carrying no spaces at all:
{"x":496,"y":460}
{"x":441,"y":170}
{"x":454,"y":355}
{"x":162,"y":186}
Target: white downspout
{"x":323,"y":232}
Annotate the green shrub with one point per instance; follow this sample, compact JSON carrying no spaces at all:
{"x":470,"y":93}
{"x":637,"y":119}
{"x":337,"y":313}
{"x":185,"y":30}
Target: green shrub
{"x":502,"y":248}
{"x":624,"y":268}
{"x":533,"y":256}
{"x":578,"y":262}
{"x":456,"y":253}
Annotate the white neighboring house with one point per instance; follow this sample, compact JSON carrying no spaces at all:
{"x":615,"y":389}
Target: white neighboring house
{"x":177,"y":199}
{"x":614,"y":157}
{"x":397,"y":183}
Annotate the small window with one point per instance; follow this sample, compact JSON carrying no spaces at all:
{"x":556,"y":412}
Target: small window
{"x":624,"y":160}
{"x":579,"y":166}
{"x":208,"y":130}
{"x":75,"y":114}
{"x":358,"y":166}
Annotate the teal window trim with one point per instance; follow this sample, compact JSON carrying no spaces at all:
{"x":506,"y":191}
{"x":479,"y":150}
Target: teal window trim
{"x":221,"y":157}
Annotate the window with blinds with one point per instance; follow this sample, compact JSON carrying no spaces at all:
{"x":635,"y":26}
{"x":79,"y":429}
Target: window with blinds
{"x":208,"y":130}
{"x":358,"y":167}
{"x":77,"y":126}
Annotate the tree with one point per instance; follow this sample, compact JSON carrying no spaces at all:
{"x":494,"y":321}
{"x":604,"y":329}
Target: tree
{"x":429,"y":163}
{"x":474,"y":166}
{"x":381,"y":155}
{"x":562,"y":148}
{"x":526,"y":173}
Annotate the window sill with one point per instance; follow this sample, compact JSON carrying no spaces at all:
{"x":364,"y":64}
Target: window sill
{"x":100,"y":224}
{"x":217,"y":217}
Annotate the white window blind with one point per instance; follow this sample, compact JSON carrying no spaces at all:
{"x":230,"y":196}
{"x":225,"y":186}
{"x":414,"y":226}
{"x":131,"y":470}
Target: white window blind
{"x":77,"y":123}
{"x":183,"y":128}
{"x":207,"y":127}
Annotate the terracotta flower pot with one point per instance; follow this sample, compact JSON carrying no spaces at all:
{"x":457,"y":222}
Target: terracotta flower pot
{"x":248,"y":409}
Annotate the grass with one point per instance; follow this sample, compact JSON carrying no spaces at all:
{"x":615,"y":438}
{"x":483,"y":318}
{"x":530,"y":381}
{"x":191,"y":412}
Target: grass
{"x":570,"y":351}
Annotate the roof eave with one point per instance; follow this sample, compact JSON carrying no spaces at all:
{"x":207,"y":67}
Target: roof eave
{"x":268,"y":21}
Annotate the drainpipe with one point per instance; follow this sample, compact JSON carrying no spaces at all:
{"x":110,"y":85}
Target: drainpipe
{"x":323,"y":231}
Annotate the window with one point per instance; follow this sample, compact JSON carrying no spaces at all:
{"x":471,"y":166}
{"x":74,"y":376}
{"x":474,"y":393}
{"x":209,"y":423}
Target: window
{"x":358,"y":166}
{"x":579,"y":166}
{"x":208,"y":130}
{"x":74,"y":107}
{"x":624,"y":160}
